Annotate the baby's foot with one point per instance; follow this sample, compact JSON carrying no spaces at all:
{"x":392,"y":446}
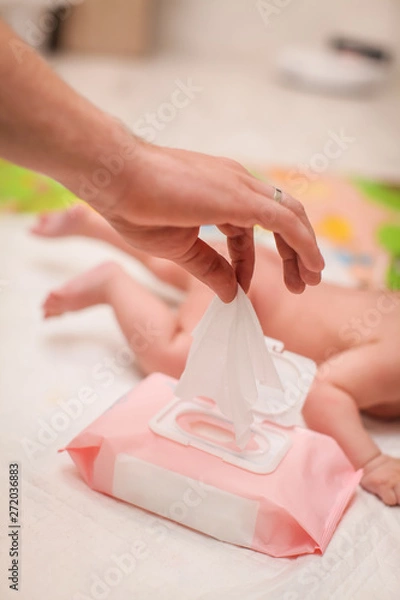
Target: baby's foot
{"x":61,"y":223}
{"x":56,"y":303}
{"x":382,"y":478}
{"x":86,"y":290}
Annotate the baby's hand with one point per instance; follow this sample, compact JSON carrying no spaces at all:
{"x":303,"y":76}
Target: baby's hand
{"x":382,"y":478}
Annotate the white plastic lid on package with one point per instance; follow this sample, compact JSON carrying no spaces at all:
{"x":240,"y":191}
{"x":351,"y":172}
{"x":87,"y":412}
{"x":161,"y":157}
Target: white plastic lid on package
{"x":227,"y":357}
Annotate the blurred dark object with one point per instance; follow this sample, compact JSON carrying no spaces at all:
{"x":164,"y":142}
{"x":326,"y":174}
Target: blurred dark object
{"x":54,"y":41}
{"x":123,"y":27}
{"x":365,"y":49}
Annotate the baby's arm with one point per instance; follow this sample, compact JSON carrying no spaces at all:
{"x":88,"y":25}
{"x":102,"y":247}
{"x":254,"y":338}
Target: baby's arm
{"x":344,"y":385}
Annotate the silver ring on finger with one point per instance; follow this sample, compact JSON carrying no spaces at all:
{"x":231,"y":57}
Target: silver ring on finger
{"x":278,"y":195}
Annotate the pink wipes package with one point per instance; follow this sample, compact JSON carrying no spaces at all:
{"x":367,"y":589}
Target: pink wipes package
{"x":283,"y":493}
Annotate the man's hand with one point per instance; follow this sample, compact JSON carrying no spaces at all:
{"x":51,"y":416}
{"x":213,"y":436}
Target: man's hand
{"x":166,"y":194}
{"x":156,"y":198}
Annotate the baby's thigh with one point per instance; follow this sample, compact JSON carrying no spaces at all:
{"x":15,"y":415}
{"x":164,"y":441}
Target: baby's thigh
{"x":194,"y":306}
{"x":369,"y":373}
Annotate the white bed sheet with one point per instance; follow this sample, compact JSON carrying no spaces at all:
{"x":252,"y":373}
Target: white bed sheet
{"x":72,"y":538}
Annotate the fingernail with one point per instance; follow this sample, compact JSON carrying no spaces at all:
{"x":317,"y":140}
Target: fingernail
{"x":312,"y":278}
{"x":226,"y":293}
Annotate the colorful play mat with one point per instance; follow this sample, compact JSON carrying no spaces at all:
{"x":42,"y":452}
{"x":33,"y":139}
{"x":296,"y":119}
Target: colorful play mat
{"x":24,"y":191}
{"x":357,"y":218}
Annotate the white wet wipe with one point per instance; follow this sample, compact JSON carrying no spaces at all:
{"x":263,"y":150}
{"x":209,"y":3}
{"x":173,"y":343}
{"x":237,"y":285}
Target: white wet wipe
{"x":227,"y":358}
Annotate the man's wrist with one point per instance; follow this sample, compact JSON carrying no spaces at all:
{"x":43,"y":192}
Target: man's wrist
{"x":47,"y":127}
{"x":100,"y":168}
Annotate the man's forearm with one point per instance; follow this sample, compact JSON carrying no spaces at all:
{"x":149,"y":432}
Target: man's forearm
{"x":156,"y":198}
{"x":44,"y":124}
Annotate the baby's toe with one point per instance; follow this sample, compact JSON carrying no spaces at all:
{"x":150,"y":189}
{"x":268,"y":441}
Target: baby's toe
{"x":52,"y":306}
{"x":39,"y":228}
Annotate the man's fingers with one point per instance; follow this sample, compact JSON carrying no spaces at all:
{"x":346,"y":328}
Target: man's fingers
{"x":288,"y":218}
{"x":291,"y":276}
{"x":279,"y":219}
{"x":287,"y":201}
{"x":240,"y":243}
{"x":309,"y":277}
{"x":296,"y":274}
{"x":291,"y":273}
{"x":211,"y":268}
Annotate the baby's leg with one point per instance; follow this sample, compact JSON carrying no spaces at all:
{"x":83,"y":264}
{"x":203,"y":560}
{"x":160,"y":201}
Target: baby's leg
{"x":80,"y":220}
{"x":151,"y":328}
{"x":343,"y":385}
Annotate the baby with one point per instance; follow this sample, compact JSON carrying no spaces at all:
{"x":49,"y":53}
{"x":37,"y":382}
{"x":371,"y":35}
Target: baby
{"x":353,"y":335}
